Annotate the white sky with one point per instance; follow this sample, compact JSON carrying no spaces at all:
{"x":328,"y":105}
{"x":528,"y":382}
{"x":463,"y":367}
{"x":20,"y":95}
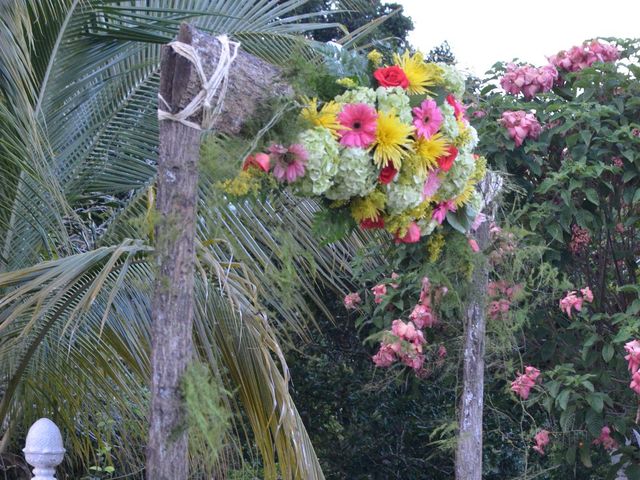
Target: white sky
{"x":482,"y":32}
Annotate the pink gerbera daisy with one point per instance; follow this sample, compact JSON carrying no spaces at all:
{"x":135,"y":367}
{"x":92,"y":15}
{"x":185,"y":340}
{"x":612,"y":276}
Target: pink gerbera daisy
{"x":427,"y":118}
{"x":360,"y":122}
{"x":289,"y":162}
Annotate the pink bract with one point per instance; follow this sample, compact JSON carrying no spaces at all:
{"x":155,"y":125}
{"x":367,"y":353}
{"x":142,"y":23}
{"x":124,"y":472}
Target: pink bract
{"x":360,"y":121}
{"x":385,"y":356}
{"x":528,"y":80}
{"x":605,"y":439}
{"x":571,"y":301}
{"x":422,"y":316}
{"x":635,"y":382}
{"x":587,"y":294}
{"x":427,"y":118}
{"x":523,"y":383}
{"x":352,"y":300}
{"x":633,"y":349}
{"x":378,"y":292}
{"x":521,"y":125}
{"x":542,"y":440}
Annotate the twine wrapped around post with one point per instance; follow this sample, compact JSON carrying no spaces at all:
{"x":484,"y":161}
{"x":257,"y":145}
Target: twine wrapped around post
{"x":210,"y":99}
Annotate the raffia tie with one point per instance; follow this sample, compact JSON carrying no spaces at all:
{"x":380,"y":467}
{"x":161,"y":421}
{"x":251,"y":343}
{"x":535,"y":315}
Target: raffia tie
{"x":214,"y":86}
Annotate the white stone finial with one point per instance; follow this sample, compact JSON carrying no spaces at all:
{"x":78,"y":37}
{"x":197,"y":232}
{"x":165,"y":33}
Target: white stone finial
{"x":43,"y":449}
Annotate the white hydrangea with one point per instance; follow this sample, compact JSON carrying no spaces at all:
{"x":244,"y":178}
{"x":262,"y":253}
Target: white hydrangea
{"x":456,"y":179}
{"x":356,"y":175}
{"x":323,"y":161}
{"x":395,"y":99}
{"x":454,"y":79}
{"x":449,"y":124}
{"x":358,"y":95}
{"x":401,"y":197}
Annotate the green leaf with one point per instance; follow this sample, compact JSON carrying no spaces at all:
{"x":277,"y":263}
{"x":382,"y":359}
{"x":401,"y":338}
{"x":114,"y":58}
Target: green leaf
{"x":563,"y":399}
{"x":555,"y":231}
{"x":592,"y":196}
{"x":567,"y":419}
{"x":458,"y":221}
{"x":553,"y":387}
{"x":595,"y":401}
{"x":594,"y":422}
{"x":586,"y":137}
{"x":588,"y":385}
{"x":607,"y":352}
{"x":585,"y":455}
{"x":634,"y":308}
{"x":570,"y":456}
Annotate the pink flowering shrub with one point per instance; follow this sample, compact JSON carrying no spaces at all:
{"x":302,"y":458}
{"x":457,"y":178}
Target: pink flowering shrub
{"x":573,"y":301}
{"x":542,"y":440}
{"x":580,"y":57}
{"x":528,"y":80}
{"x":402,"y":343}
{"x":501,"y":295}
{"x":379,"y":291}
{"x":521,"y":125}
{"x":524,"y":382}
{"x":352,"y":300}
{"x":605,"y":439}
{"x":581,"y":177}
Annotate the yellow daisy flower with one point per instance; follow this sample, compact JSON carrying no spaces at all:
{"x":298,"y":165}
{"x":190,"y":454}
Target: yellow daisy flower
{"x":369,"y":207}
{"x":421,"y":75}
{"x":392,"y":140}
{"x":327,"y":117}
{"x":431,"y":149}
{"x":464,"y":197}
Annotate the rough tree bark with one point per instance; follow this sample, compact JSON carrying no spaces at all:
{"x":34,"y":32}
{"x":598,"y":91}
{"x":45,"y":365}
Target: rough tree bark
{"x":251,"y":82}
{"x":172,"y":305}
{"x":469,"y":451}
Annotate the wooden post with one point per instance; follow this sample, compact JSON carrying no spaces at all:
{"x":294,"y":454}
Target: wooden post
{"x":251,"y":82}
{"x":469,"y":451}
{"x":172,"y":305}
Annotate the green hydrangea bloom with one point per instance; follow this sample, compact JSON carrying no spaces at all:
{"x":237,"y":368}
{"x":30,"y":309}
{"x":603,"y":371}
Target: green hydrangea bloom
{"x":449,"y":124}
{"x":395,"y":99}
{"x":323,"y":161}
{"x":427,"y":226}
{"x":453,"y":79}
{"x":456,"y":179}
{"x":356,"y":175}
{"x":403,"y":196}
{"x":358,"y":95}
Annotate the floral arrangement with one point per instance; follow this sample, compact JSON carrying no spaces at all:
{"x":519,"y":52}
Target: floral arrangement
{"x":394,"y":154}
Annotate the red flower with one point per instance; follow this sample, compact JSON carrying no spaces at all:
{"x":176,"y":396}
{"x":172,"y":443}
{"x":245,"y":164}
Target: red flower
{"x":259,"y":160}
{"x":445,"y":162}
{"x":387,"y":174}
{"x":458,"y":108}
{"x":391,"y":77}
{"x":369,"y":224}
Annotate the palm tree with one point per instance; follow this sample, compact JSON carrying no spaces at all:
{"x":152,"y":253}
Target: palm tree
{"x":78,"y":146}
